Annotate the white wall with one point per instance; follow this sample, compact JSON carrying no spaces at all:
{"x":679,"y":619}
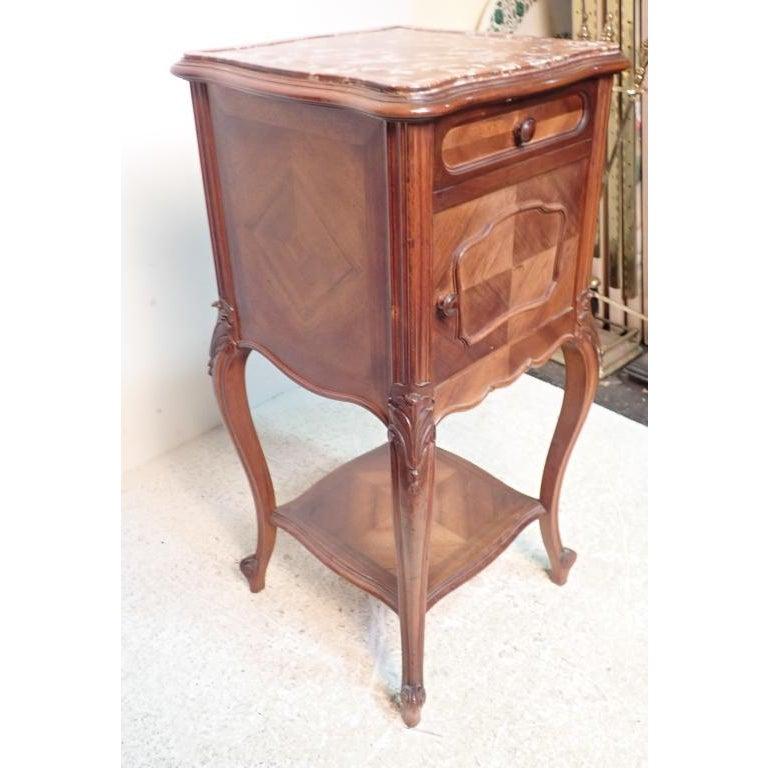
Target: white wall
{"x":168,"y":278}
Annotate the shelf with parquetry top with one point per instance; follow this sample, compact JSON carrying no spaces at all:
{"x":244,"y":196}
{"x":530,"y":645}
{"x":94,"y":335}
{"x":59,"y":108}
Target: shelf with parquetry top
{"x":346,"y":520}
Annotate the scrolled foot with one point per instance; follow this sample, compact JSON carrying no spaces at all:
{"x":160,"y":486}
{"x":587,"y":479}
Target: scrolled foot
{"x":558,"y":573}
{"x":250,"y":568}
{"x":412,"y":698}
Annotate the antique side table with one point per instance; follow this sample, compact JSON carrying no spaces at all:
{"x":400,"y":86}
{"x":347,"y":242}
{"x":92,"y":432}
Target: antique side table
{"x":404,"y":219}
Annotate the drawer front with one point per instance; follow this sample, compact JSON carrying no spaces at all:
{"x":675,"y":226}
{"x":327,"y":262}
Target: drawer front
{"x":504,"y":264}
{"x":489,"y":136}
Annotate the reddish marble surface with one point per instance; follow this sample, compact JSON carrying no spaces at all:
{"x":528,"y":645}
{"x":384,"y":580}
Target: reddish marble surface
{"x":407,"y":59}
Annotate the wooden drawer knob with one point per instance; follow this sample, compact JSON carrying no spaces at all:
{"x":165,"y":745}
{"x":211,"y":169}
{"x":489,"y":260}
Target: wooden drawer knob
{"x":448,"y":305}
{"x":523,"y":132}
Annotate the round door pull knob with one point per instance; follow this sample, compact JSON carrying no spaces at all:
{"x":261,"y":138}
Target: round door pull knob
{"x":523,"y":132}
{"x":448,"y":305}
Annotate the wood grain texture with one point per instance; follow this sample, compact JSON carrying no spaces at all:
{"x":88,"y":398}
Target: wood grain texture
{"x":411,"y":425}
{"x":512,"y":265}
{"x":496,"y":150}
{"x":593,"y":184}
{"x":345,"y":520}
{"x":463,"y":188}
{"x":309,"y":163}
{"x":409,"y":262}
{"x":227,"y":367}
{"x":581,"y":375}
{"x":511,"y":257}
{"x":477,"y":143}
{"x":500,"y":367}
{"x":213,"y":198}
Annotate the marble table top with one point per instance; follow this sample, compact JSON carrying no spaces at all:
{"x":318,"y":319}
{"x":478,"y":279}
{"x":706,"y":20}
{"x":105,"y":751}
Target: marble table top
{"x":405,"y":59}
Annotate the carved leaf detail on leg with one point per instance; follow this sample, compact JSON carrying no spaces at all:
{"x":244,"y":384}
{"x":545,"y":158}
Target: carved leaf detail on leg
{"x":412,"y":448}
{"x":412,"y":428}
{"x":585,"y":323}
{"x":223,"y":331}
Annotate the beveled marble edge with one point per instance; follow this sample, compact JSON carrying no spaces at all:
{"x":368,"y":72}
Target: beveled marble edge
{"x":468,"y":57}
{"x":418,"y":104}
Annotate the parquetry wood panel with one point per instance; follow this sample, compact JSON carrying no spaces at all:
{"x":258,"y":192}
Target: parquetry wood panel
{"x":305,"y":195}
{"x":510,"y":266}
{"x":510,"y":257}
{"x":346,"y":520}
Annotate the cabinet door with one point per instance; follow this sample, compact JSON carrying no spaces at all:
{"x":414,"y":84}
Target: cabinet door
{"x":505,"y":264}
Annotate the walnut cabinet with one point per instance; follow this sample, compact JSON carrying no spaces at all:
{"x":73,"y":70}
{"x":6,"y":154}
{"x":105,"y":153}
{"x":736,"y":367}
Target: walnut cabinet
{"x":403,"y":219}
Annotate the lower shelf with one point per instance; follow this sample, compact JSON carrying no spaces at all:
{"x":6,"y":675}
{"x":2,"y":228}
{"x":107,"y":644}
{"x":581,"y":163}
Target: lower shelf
{"x":346,"y":521}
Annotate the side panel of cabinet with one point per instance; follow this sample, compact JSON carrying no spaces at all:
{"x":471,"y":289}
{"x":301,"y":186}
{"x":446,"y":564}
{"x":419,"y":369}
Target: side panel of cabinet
{"x":305,"y":204}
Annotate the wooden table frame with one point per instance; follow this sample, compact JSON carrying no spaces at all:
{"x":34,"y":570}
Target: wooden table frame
{"x":407,"y":395}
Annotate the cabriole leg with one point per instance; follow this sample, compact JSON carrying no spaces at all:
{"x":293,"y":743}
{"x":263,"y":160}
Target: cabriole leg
{"x":581,"y":374}
{"x":412,"y":439}
{"x":227,"y":367}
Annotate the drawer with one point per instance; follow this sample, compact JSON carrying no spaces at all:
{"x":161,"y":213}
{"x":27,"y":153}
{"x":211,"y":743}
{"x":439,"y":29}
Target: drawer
{"x":496,"y":134}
